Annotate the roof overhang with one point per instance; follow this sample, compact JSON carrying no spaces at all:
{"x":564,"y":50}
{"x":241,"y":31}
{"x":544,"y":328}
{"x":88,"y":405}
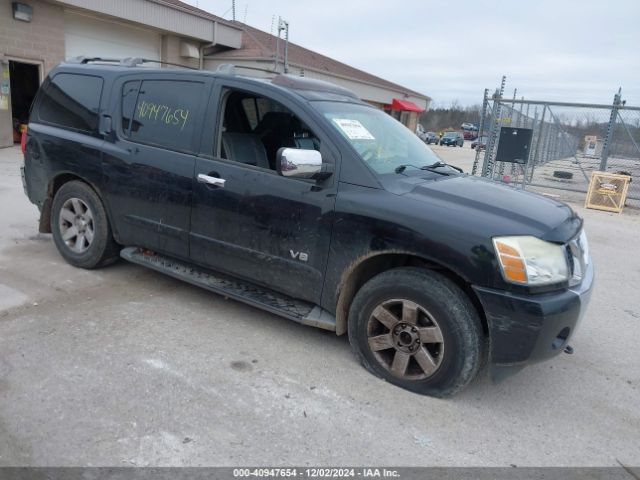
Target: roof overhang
{"x":163,"y":16}
{"x":404,"y":105}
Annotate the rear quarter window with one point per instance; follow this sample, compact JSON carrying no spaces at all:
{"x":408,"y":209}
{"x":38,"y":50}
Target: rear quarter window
{"x":161,"y":112}
{"x":72,"y":101}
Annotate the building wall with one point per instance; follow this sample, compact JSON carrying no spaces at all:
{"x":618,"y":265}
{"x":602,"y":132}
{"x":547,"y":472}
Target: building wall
{"x":172,"y":51}
{"x":92,"y":36}
{"x":40,"y":41}
{"x":151,"y":14}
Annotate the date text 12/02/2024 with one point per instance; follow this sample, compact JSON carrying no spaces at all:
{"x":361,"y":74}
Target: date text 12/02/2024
{"x":316,"y":472}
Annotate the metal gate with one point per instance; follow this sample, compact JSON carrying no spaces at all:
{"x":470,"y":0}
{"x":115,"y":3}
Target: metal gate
{"x":570,"y":140}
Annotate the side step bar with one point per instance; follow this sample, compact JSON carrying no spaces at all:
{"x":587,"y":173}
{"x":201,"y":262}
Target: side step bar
{"x":261,"y":297}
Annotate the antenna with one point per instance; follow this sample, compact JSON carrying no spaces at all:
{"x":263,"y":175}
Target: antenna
{"x":233,"y":10}
{"x":244,"y":17}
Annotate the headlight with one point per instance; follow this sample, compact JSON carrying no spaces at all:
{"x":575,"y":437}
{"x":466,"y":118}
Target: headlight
{"x":579,"y":248}
{"x":528,"y":260}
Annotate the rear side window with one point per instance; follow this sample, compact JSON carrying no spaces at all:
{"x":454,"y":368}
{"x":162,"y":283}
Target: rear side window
{"x":72,"y":101}
{"x":161,"y":112}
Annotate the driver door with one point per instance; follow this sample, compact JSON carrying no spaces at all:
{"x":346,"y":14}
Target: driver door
{"x":253,"y":223}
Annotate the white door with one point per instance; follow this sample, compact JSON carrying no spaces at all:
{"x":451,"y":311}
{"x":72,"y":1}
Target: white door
{"x":93,"y":37}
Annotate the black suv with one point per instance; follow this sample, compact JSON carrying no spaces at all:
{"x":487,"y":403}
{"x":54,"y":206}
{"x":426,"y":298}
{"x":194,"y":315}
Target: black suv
{"x":294,"y":196}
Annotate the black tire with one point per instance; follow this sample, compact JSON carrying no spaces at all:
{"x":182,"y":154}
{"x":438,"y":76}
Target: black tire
{"x":562,"y":174}
{"x":102,"y":250}
{"x":442,"y":304}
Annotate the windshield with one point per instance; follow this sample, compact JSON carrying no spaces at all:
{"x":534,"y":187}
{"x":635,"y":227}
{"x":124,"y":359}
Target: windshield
{"x":451,"y":134}
{"x":380,"y":140}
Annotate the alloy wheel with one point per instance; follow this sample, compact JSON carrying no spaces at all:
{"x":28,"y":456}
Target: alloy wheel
{"x":76,"y":225}
{"x":405,"y":339}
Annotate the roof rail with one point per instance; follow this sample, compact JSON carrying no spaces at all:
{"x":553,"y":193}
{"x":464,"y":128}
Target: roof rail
{"x":226,"y":68}
{"x":124,"y":62}
{"x":136,"y":61}
{"x":306,"y":83}
{"x":84,"y":60}
{"x":230,"y":69}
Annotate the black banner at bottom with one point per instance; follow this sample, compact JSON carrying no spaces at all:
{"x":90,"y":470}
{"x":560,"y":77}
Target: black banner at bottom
{"x":398,"y":473}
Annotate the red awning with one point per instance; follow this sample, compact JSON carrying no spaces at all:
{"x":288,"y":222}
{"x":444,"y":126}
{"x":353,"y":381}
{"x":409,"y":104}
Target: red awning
{"x":405,"y":105}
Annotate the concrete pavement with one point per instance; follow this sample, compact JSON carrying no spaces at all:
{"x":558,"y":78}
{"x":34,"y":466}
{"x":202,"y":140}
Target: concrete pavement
{"x":123,"y":366}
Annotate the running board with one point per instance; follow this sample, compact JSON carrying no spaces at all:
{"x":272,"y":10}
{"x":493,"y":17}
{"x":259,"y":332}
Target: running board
{"x":261,"y":297}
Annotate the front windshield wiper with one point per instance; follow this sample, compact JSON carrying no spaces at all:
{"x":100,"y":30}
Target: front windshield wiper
{"x":440,"y":164}
{"x":432,"y":168}
{"x":402,"y":168}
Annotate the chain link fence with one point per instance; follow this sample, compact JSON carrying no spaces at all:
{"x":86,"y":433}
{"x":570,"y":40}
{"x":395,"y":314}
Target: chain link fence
{"x":569,"y":141}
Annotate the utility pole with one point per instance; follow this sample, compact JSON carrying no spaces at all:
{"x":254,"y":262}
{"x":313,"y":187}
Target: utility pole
{"x":283,"y":25}
{"x":617,"y":100}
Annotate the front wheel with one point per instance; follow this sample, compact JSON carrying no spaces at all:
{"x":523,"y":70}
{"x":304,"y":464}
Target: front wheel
{"x":416,"y":329}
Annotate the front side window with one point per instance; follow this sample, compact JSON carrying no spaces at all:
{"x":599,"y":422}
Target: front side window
{"x":73,"y":101}
{"x":254,"y":128}
{"x":161,"y":112}
{"x":380,"y":140}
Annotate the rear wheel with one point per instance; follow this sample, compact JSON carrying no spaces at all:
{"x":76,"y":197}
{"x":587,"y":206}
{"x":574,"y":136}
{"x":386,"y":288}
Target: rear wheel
{"x":418,"y":330}
{"x":80,"y":227}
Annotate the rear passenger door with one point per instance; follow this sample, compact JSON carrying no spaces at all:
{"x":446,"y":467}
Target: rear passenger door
{"x":150,"y":161}
{"x":260,"y":226}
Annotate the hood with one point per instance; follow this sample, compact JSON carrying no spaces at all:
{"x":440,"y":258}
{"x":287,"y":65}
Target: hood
{"x":506,"y":210}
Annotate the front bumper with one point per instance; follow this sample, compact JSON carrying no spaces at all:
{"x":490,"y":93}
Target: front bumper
{"x":530,"y":328}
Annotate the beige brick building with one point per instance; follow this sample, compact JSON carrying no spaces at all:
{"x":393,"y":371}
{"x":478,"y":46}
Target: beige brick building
{"x":35,"y":35}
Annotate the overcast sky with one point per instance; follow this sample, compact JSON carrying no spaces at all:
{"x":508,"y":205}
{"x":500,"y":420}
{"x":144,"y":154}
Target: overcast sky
{"x":570,"y":50}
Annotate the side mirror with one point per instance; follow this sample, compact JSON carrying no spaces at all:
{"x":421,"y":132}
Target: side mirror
{"x":298,"y":163}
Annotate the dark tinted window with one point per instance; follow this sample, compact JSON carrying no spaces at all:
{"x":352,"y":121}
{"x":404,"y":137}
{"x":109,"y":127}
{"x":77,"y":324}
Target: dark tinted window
{"x":129,"y":97}
{"x":164,"y":114}
{"x":72,"y":101}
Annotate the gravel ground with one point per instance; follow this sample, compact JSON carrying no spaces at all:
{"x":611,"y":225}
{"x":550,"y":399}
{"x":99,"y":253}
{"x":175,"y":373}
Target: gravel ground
{"x":124,"y":366}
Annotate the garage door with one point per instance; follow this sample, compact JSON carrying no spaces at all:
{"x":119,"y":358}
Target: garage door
{"x":91,"y":37}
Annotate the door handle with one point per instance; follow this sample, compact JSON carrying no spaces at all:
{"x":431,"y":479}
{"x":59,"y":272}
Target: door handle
{"x":215,"y":181}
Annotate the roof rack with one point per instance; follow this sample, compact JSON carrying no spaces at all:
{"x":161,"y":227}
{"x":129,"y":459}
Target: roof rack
{"x":230,"y":69}
{"x":305,"y":83}
{"x":292,"y":81}
{"x":124,"y":62}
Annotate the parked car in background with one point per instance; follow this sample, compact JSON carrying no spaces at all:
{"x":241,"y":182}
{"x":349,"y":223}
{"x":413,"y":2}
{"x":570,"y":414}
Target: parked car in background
{"x":431,"y":137}
{"x":421,"y":132}
{"x":470,"y":134}
{"x":480,"y":143}
{"x":469,"y":126}
{"x":452,"y":139}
